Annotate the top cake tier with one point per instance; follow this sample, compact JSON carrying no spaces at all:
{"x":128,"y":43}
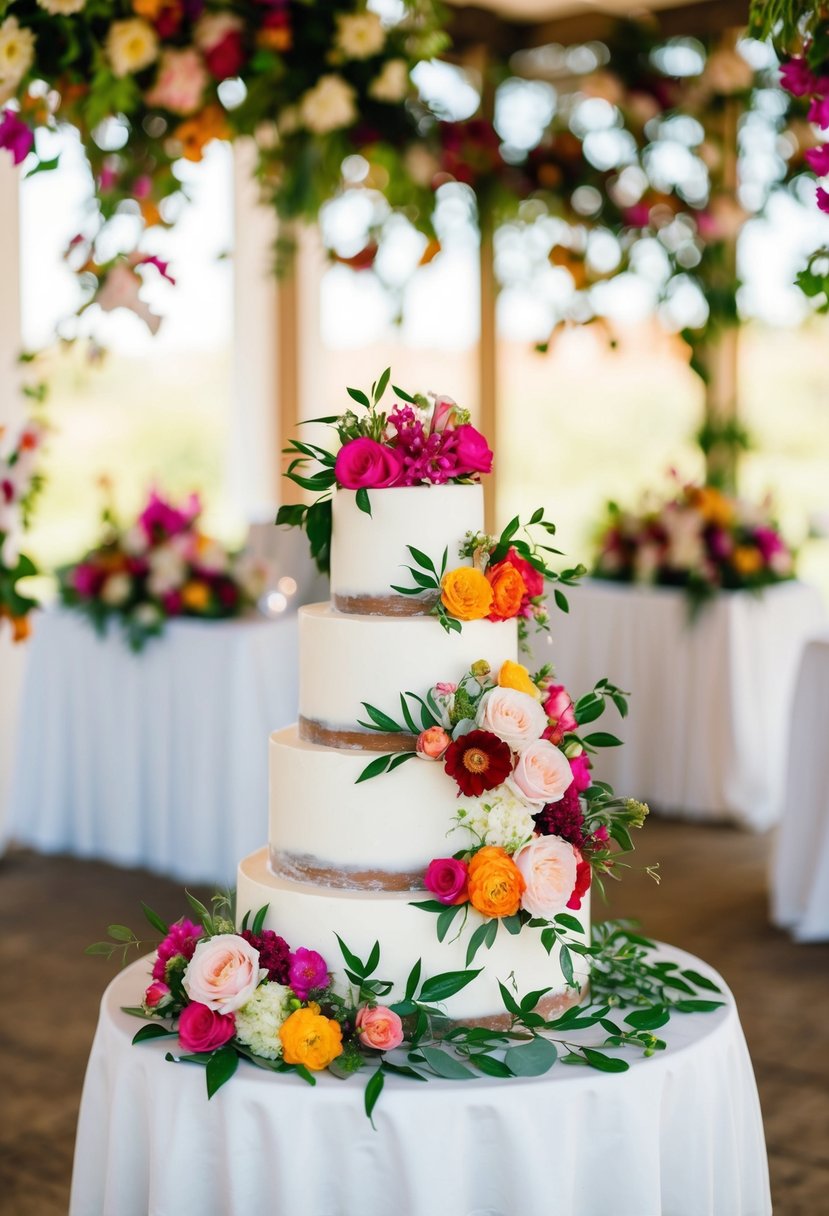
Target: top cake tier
{"x":369,"y":553}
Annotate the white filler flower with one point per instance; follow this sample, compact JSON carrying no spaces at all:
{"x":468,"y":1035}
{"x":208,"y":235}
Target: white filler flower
{"x":258,"y":1022}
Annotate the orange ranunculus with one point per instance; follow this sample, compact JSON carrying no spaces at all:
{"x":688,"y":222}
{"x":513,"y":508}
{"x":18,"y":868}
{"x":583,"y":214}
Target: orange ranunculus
{"x":747,"y":559}
{"x":195,"y":595}
{"x":508,"y":590}
{"x":495,"y":883}
{"x":195,"y":133}
{"x":309,"y":1038}
{"x":466,"y":593}
{"x":515,"y":675}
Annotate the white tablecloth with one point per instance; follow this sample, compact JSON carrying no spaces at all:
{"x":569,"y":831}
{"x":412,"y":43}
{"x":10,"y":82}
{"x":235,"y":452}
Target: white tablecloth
{"x":707,"y":731}
{"x":679,"y":1134}
{"x":800,"y":867}
{"x":158,"y":759}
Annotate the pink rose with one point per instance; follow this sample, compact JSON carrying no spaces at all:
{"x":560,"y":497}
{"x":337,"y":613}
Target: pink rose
{"x":379,"y":1028}
{"x":181,"y":82}
{"x":307,"y":970}
{"x":541,"y":774}
{"x":580,"y":770}
{"x":445,"y":878}
{"x":548,"y":867}
{"x":157,"y":995}
{"x":472,"y":452}
{"x":513,"y":716}
{"x":533,"y":579}
{"x":558,"y":706}
{"x":432,"y":743}
{"x":366,"y":464}
{"x":443,"y":415}
{"x":445,"y":688}
{"x":223,"y":973}
{"x":583,"y":876}
{"x":202,"y":1029}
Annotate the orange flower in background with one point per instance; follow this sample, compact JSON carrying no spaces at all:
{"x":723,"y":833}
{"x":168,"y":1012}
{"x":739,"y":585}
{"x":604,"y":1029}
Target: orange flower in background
{"x":309,"y":1038}
{"x":150,"y":213}
{"x":466,"y":593}
{"x":430,"y":252}
{"x":495,"y":883}
{"x":713,"y":505}
{"x":21,"y":625}
{"x":747,"y":559}
{"x":515,"y":675}
{"x":195,"y":595}
{"x":196,"y":133}
{"x":508,"y":590}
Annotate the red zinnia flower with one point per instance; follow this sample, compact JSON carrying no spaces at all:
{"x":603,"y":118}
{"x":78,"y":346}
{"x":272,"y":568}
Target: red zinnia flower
{"x":478,"y":761}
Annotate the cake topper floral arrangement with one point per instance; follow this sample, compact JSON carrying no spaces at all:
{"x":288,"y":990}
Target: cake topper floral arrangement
{"x":700,"y":538}
{"x":19,"y":484}
{"x":160,"y":567}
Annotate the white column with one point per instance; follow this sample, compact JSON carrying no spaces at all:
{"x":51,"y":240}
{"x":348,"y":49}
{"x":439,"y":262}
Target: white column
{"x":11,"y":411}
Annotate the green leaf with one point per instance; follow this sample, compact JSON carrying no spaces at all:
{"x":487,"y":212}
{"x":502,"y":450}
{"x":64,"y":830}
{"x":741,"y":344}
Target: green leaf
{"x":569,"y":922}
{"x":441,"y":987}
{"x":362,"y":501}
{"x":482,"y":936}
{"x":120,"y":933}
{"x":588,"y":709}
{"x":565,"y":961}
{"x":372,"y":960}
{"x":602,"y":738}
{"x":382,"y":384}
{"x":359,"y":396}
{"x":530,"y":1001}
{"x":402,"y":1070}
{"x":381,"y":719}
{"x":152,"y":1031}
{"x":351,"y":959}
{"x":220,"y":1068}
{"x":155,"y":920}
{"x":648,"y":1019}
{"x":444,"y":922}
{"x":701,"y":981}
{"x":199,"y":908}
{"x":307,"y":1076}
{"x":259,"y":919}
{"x":531,"y":1059}
{"x":512,"y":924}
{"x":597,"y":1059}
{"x":103,"y":948}
{"x":509,"y":1000}
{"x":401,"y":758}
{"x":491,"y":1065}
{"x":407,"y":715}
{"x":445,"y":1065}
{"x":561,"y":600}
{"x":373,"y":1090}
{"x":403,"y":395}
{"x":374,"y":768}
{"x":548,"y":938}
{"x":413,"y":980}
{"x":422,"y":559}
{"x":695,"y":1006}
{"x":429,"y":905}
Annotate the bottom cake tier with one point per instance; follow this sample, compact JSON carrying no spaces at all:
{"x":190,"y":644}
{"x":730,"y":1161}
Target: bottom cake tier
{"x":308,"y":915}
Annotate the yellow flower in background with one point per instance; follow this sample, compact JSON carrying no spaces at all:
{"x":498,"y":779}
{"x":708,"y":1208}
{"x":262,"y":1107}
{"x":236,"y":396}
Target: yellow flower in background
{"x":747,"y":559}
{"x":515,"y":675}
{"x":309,"y":1038}
{"x":195,"y":595}
{"x":17,"y":52}
{"x":466,"y":593}
{"x":131,"y":46}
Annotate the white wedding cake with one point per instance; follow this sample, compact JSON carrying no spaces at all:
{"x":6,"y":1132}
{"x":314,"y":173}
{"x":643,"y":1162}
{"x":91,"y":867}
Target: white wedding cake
{"x":347,"y":857}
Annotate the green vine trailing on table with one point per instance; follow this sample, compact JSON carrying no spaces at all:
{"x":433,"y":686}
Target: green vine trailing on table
{"x":282,"y":1011}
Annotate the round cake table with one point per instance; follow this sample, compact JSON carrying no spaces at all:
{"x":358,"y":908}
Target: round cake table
{"x":680,"y":1134}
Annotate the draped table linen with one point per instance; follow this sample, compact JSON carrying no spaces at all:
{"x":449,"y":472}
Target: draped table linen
{"x":157,"y":759}
{"x":710,"y":702}
{"x":800,"y":866}
{"x":680,"y":1134}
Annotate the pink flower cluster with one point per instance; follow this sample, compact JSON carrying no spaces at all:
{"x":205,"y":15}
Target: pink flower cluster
{"x":160,"y":519}
{"x":797,"y":77}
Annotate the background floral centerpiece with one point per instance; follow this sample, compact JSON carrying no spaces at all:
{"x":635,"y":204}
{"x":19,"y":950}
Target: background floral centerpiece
{"x":159,"y":567}
{"x":19,"y":483}
{"x":700,"y":538}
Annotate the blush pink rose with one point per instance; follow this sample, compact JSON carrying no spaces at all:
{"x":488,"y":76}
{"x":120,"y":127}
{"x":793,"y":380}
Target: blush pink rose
{"x":182,"y":79}
{"x":379,"y":1028}
{"x":548,"y":867}
{"x":223,"y":973}
{"x":513,"y":716}
{"x":472,"y":452}
{"x":366,"y":464}
{"x":580,"y":770}
{"x":541,"y":774}
{"x":558,"y":707}
{"x":202,"y":1029}
{"x":446,"y":879}
{"x":443,"y":415}
{"x":432,"y":743}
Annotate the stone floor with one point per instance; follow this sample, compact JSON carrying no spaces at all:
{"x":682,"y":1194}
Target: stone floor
{"x":712,"y":901}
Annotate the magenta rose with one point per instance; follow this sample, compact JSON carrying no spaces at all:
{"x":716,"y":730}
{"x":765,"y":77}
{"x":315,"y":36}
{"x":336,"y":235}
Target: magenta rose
{"x":580,"y":768}
{"x":366,"y":464}
{"x":379,"y":1028}
{"x":446,"y":878}
{"x":203,"y":1029}
{"x":472,"y":452}
{"x":558,"y":706}
{"x":307,"y":970}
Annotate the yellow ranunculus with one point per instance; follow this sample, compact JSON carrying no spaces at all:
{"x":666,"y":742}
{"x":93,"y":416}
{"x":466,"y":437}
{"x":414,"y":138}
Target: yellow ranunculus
{"x":195,"y":595}
{"x":515,"y":675}
{"x":747,"y":559}
{"x":466,"y":593}
{"x":309,"y":1038}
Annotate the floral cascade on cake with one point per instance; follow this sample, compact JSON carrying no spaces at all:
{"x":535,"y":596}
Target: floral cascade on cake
{"x":701,"y":539}
{"x":160,"y":567}
{"x":19,"y":483}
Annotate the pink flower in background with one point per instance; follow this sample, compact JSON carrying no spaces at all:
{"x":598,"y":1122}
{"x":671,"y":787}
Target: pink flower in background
{"x":445,"y":688}
{"x":446,"y":879}
{"x":637,"y":216}
{"x":202,"y":1029}
{"x":107,"y":178}
{"x":173,"y":603}
{"x":819,"y":112}
{"x":558,"y":706}
{"x":818,"y":159}
{"x":472,"y":452}
{"x":15,"y":136}
{"x":219,"y":37}
{"x":366,"y":464}
{"x":797,"y":78}
{"x":157,"y":995}
{"x":768,"y":542}
{"x":307,"y":970}
{"x":379,"y":1028}
{"x":580,"y":768}
{"x":86,"y":580}
{"x":161,"y":519}
{"x":720,"y":543}
{"x":142,"y":186}
{"x":180,"y":942}
{"x":162,"y":267}
{"x":822,"y":197}
{"x":120,"y":289}
{"x":182,"y":78}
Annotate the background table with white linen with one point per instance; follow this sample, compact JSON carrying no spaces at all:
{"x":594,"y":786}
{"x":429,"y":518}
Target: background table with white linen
{"x":711,"y":700}
{"x":680,"y":1133}
{"x":158,"y":759}
{"x":800,"y":866}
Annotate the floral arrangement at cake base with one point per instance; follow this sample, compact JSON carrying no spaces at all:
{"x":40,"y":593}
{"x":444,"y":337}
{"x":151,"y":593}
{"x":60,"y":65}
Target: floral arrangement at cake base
{"x":700,"y":538}
{"x":19,"y":484}
{"x":225,"y":996}
{"x":160,"y":567}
